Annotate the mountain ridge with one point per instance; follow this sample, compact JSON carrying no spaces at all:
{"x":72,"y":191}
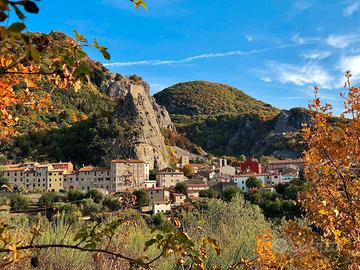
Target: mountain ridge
{"x":240,"y":125}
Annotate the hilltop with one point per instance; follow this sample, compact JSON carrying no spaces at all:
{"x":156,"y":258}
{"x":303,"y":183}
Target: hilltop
{"x":208,"y":98}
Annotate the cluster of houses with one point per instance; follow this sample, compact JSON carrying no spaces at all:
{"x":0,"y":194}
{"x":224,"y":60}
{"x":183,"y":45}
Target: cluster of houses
{"x":126,"y":174}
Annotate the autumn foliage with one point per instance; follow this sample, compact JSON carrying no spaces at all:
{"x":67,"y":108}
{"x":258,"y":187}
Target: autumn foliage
{"x":329,"y":235}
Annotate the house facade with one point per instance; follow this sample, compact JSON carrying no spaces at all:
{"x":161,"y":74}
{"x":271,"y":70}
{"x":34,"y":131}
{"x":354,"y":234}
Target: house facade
{"x":127,"y":174}
{"x":169,"y":178}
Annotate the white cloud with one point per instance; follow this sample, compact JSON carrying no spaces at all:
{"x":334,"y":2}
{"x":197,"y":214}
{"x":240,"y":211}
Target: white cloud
{"x":316,"y":55}
{"x":266,"y":79}
{"x":339,"y":41}
{"x":202,"y":56}
{"x":249,"y":38}
{"x":308,"y":74}
{"x":351,"y":63}
{"x":298,"y":7}
{"x":297,"y":38}
{"x":351,"y":9}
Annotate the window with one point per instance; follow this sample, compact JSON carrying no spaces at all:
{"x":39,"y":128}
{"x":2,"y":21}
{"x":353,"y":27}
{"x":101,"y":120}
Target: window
{"x":49,"y":185}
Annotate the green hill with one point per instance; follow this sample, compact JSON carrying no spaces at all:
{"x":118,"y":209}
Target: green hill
{"x":207,"y":98}
{"x":225,"y":121}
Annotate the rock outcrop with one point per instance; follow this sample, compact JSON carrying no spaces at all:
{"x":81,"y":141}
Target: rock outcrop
{"x":146,"y":118}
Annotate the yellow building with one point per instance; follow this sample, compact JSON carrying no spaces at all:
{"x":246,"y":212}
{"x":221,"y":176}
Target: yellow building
{"x":35,"y":176}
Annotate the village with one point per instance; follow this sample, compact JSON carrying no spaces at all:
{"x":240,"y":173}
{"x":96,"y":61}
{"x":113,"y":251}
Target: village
{"x":165,"y":188}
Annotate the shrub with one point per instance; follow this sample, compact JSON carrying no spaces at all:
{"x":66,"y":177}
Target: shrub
{"x":18,"y":202}
{"x":48,"y":199}
{"x":230,"y":193}
{"x":89,"y":207}
{"x":208,"y":193}
{"x":75,"y":195}
{"x":181,"y":187}
{"x":112,"y":203}
{"x":142,"y":198}
{"x":96,"y":195}
{"x":253,"y":182}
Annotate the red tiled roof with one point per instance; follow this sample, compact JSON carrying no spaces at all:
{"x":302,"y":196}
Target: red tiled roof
{"x":286,"y":161}
{"x":92,"y":169}
{"x":127,"y":161}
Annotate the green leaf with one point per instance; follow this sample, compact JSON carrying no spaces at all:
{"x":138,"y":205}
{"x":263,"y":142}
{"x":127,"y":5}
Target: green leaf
{"x":150,"y":242}
{"x":105,"y":53}
{"x":34,"y":53}
{"x":16,"y":27}
{"x":140,"y":3}
{"x":79,"y":37}
{"x":19,"y":12}
{"x":96,"y":44}
{"x":31,"y":7}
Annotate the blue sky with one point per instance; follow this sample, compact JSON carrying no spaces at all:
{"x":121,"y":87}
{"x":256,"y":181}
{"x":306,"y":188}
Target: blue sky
{"x":274,"y":50}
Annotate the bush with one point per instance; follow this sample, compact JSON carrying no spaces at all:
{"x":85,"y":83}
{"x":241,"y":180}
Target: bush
{"x":253,"y":182}
{"x":230,"y":193}
{"x":75,"y":195}
{"x":48,"y":199}
{"x":96,"y":195}
{"x":112,"y":203}
{"x":188,"y":171}
{"x":181,"y":187}
{"x":18,"y":202}
{"x":142,"y":198}
{"x":89,"y":207}
{"x":208,"y":193}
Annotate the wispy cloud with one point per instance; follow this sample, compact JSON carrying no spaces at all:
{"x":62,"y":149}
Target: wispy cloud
{"x":351,"y":9}
{"x":304,"y":40}
{"x":340,"y":41}
{"x":298,"y":7}
{"x":249,"y":38}
{"x":302,"y":75}
{"x":203,"y":56}
{"x":351,"y":63}
{"x":316,"y":55}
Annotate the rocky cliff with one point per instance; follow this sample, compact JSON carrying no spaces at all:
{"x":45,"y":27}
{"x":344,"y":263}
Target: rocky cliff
{"x":140,"y":111}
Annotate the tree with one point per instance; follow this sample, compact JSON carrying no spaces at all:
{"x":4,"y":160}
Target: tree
{"x":188,"y":171}
{"x":231,"y":193}
{"x":112,"y":203}
{"x":48,"y":199}
{"x":3,"y":180}
{"x":75,"y":195}
{"x":142,"y":198}
{"x":181,"y":187}
{"x":330,"y":234}
{"x":208,"y":193}
{"x":90,"y":207}
{"x":253,"y":182}
{"x":18,"y":202}
{"x":95,"y":195}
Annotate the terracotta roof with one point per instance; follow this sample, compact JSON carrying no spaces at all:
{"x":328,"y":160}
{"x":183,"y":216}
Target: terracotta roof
{"x":11,"y":169}
{"x":127,"y":161}
{"x":197,"y":185}
{"x":161,"y":202}
{"x":286,"y":161}
{"x":93,"y":169}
